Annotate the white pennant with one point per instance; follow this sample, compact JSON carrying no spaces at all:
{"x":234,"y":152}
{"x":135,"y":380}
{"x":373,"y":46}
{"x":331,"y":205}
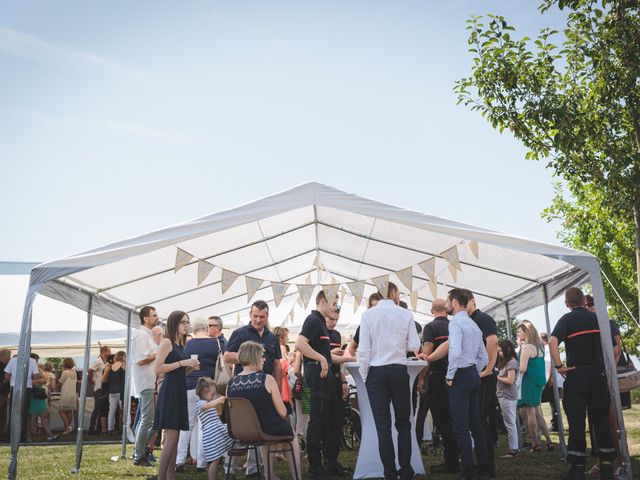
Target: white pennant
{"x":253,"y":285}
{"x":279,"y":290}
{"x":357,"y":290}
{"x":308,"y":280}
{"x":355,"y":306}
{"x":406,"y":277}
{"x":433,"y":286}
{"x":453,"y":272}
{"x":306,"y":291}
{"x":182,"y":259}
{"x":429,"y":267}
{"x":343,"y":293}
{"x":330,"y":291}
{"x":413,"y":297}
{"x":204,"y":269}
{"x":473,"y":245}
{"x":227,"y":279}
{"x":300,"y":302}
{"x":382,"y":284}
{"x":319,"y":266}
{"x":451,"y":256}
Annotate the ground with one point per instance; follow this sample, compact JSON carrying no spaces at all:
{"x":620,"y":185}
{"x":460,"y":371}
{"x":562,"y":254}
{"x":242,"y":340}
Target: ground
{"x":53,"y":462}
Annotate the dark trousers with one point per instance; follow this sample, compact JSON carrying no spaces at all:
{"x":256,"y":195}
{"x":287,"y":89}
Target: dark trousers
{"x":320,"y":412}
{"x":24,"y":419}
{"x":438,"y":398}
{"x":464,"y":403}
{"x":423,"y":409}
{"x":333,"y":435}
{"x":586,"y":390}
{"x":4,"y":411}
{"x":488,"y":416}
{"x":389,"y":385}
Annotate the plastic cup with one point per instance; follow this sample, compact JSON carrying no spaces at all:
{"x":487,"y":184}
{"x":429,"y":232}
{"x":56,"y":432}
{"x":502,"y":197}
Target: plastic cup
{"x":194,"y":356}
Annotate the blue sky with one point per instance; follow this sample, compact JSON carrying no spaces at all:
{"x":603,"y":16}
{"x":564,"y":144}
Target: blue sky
{"x":122,"y":117}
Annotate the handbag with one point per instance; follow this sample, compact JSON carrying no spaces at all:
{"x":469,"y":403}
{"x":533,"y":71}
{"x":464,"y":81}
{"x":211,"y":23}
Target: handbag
{"x":222,"y":373}
{"x":628,"y":375}
{"x":298,"y":388}
{"x":39,"y":392}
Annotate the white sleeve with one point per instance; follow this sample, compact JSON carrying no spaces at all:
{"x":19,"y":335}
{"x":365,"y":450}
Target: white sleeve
{"x":140,"y":348}
{"x":413,"y":341}
{"x":10,"y":366}
{"x":364,"y":348}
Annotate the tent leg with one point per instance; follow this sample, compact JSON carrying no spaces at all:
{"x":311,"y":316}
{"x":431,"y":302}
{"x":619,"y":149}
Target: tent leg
{"x":126,"y":405}
{"x":83,"y":387}
{"x":506,"y":307}
{"x":610,"y":365}
{"x":556,"y":392}
{"x":22,"y":372}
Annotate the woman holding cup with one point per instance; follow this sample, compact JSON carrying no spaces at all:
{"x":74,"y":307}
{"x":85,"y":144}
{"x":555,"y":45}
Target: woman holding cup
{"x":171,"y":411}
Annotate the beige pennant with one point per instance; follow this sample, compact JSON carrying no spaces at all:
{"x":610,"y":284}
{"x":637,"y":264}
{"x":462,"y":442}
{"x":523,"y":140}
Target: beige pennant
{"x":331,"y":291}
{"x":182,"y":259}
{"x":253,"y":285}
{"x":343,"y":293}
{"x":452,"y":258}
{"x":429,"y":267}
{"x":453,"y":272}
{"x":355,"y":306}
{"x":308,"y":280}
{"x":433,"y":286}
{"x":357,"y":290}
{"x":473,"y":246}
{"x":279,"y":291}
{"x":227,"y":279}
{"x":306,"y":292}
{"x":413,"y":298}
{"x":300,"y":302}
{"x":204,"y":269}
{"x":406,"y":277}
{"x":382,"y":284}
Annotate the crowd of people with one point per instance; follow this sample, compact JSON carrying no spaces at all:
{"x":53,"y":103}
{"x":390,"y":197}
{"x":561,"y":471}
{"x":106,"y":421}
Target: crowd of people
{"x":471,"y":380}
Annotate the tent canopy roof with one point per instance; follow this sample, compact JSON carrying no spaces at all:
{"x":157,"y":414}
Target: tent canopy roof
{"x":278,"y":238}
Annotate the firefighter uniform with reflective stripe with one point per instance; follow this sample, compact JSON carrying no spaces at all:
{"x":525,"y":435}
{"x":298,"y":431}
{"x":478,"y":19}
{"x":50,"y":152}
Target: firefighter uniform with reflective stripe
{"x":585,"y":387}
{"x":333,"y":437}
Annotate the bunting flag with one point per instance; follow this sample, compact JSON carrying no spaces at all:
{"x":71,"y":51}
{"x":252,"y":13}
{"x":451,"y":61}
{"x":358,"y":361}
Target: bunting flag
{"x":182,"y":259}
{"x":204,"y":269}
{"x":308,"y":280}
{"x":429,"y":267}
{"x":291,"y":313}
{"x":355,"y":306}
{"x":227,"y":280}
{"x":433,"y":286}
{"x":413,"y":297}
{"x":300,"y":303}
{"x":452,"y":258}
{"x":306,"y":291}
{"x":253,"y":285}
{"x":343,"y":293}
{"x":382,"y":284}
{"x":357,"y":290}
{"x":453,"y":272}
{"x":331,"y":290}
{"x":319,"y":266}
{"x":473,"y":245}
{"x":406,"y":277}
{"x":279,"y":290}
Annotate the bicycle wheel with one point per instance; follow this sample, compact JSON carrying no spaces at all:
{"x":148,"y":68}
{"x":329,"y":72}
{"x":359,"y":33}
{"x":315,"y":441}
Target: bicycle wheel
{"x":352,"y":430}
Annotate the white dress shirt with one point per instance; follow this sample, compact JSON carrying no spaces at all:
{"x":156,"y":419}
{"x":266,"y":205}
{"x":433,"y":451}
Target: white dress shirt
{"x":12,"y":368}
{"x":466,"y":347}
{"x":98,"y":369}
{"x":387,"y":333}
{"x":144,"y":377}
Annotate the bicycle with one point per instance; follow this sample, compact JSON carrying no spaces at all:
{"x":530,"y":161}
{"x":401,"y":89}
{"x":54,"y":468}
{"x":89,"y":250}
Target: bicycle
{"x":351,"y":427}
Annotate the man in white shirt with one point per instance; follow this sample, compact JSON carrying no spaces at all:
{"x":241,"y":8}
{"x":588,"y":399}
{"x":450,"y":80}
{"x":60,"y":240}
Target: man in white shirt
{"x":387,"y":333}
{"x":10,"y":372}
{"x":143,"y":352}
{"x":100,"y":395}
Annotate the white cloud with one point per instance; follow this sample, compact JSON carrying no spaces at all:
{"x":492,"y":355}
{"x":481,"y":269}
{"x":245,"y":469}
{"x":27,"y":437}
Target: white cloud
{"x":23,"y":45}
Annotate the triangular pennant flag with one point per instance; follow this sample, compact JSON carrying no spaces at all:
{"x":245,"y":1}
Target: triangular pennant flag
{"x":291,"y":313}
{"x":300,"y":302}
{"x":357,"y":290}
{"x":306,"y":291}
{"x":429,"y":267}
{"x":355,"y":306}
{"x":182,"y":259}
{"x":413,"y":297}
{"x":204,"y":269}
{"x":253,"y":285}
{"x":382,"y":284}
{"x":330,"y":291}
{"x":406,"y":277}
{"x":451,"y":256}
{"x":227,"y":279}
{"x":308,"y":280}
{"x":433,"y":286}
{"x":473,"y":245}
{"x":343,"y":293}
{"x":453,"y":272}
{"x":279,"y":290}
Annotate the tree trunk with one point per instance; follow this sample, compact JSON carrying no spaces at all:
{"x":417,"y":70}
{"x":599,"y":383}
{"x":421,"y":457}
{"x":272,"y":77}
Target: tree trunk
{"x":636,"y":219}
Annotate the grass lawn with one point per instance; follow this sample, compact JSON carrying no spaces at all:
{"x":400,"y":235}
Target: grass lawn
{"x":54,"y":462}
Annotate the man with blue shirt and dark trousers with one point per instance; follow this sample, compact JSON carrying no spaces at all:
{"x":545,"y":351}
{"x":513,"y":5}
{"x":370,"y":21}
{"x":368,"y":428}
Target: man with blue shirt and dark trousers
{"x":467,"y":358}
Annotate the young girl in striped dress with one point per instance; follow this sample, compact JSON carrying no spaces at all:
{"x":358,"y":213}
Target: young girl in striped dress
{"x":215,"y":438}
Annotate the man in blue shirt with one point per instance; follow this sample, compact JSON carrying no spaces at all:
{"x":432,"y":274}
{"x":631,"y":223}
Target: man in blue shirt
{"x":467,"y":358}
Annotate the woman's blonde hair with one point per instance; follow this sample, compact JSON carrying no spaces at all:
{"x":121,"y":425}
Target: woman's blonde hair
{"x":204,"y":384}
{"x":281,"y":332}
{"x":531,"y":335}
{"x":250,"y":354}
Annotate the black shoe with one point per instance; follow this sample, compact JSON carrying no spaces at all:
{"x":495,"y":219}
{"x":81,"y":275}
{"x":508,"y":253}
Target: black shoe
{"x":319,"y":474}
{"x":149,"y":456}
{"x":179,"y":468}
{"x":606,"y":471}
{"x":336,"y":468}
{"x":142,"y":462}
{"x":444,"y":468}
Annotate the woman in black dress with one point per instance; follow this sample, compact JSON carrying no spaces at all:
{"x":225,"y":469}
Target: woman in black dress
{"x":171,"y":411}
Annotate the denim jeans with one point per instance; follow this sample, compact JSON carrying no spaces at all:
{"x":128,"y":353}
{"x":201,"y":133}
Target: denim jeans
{"x":508,"y":408}
{"x":143,"y":433}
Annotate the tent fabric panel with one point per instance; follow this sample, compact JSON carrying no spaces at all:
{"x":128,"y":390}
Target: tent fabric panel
{"x":282,"y":222}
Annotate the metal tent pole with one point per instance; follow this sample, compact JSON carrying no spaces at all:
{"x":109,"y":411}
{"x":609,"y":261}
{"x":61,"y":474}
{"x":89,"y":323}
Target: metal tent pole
{"x":126,"y":413}
{"x":83,"y":387}
{"x":506,"y":307}
{"x":22,"y":372}
{"x":552,"y":370}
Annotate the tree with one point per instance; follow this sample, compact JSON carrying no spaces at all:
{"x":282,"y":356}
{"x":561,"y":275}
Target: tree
{"x":575,"y":104}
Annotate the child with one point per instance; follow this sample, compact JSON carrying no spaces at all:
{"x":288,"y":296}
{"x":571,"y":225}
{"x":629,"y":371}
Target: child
{"x":215,"y":439}
{"x":507,"y":392}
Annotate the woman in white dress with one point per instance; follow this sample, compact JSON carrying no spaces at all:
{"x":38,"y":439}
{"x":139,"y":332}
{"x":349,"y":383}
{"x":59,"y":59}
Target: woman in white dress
{"x":68,"y":396}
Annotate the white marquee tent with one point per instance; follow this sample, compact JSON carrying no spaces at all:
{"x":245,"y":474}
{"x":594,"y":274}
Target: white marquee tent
{"x":283,"y":245}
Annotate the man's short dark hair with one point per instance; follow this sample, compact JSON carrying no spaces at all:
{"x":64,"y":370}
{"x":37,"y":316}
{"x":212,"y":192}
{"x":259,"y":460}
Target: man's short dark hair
{"x":391,"y":288}
{"x":460,"y":295}
{"x":469,"y":293}
{"x":216,"y":319}
{"x":374,"y":297}
{"x":260,"y":305}
{"x":145,"y":312}
{"x":574,"y":297}
{"x":403,"y":304}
